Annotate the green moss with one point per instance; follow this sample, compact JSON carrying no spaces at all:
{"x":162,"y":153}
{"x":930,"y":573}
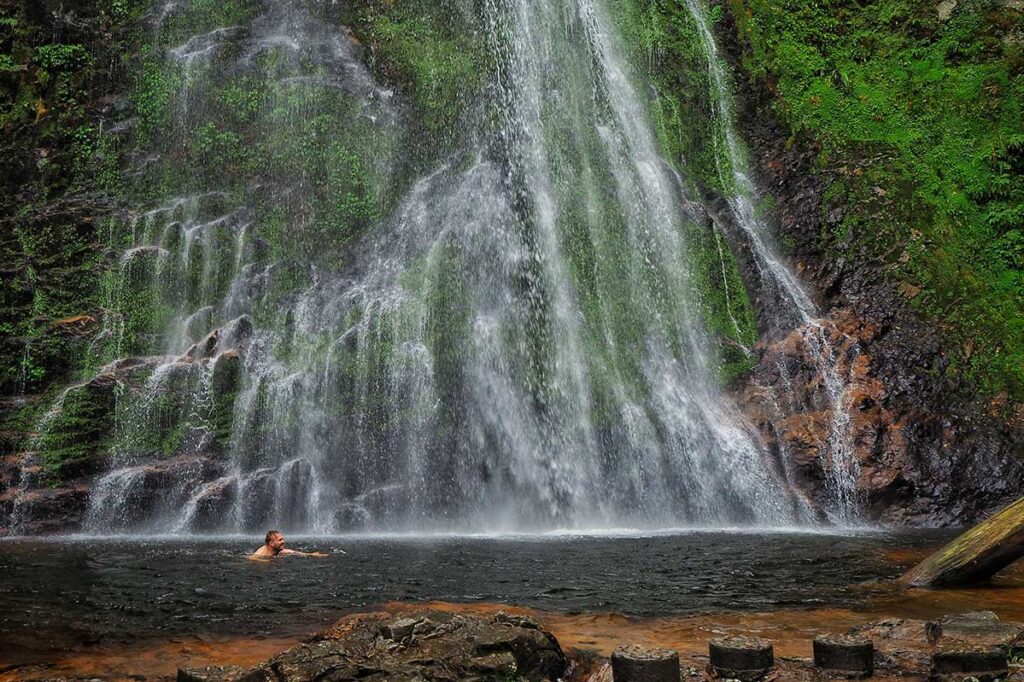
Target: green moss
{"x":78,"y":428}
{"x":204,"y":16}
{"x":432,"y":51}
{"x":668,"y":54}
{"x":919,"y":123}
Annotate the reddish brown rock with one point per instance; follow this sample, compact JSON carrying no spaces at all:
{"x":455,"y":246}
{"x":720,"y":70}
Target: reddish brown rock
{"x":912,"y":463}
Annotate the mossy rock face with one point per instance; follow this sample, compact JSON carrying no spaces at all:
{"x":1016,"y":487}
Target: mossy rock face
{"x":59,"y":63}
{"x":74,"y":439}
{"x":227,"y":379}
{"x":915,"y":123}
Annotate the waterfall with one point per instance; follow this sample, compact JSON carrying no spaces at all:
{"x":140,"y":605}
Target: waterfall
{"x":511,"y":340}
{"x":840,"y":464}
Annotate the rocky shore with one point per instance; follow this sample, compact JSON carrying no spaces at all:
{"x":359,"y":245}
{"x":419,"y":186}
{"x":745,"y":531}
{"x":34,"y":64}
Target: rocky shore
{"x":405,"y":645}
{"x":430,"y":645}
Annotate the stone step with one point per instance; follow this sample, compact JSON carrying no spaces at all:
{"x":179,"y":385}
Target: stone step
{"x":844,"y":654}
{"x":986,"y":664}
{"x":741,"y":658}
{"x":640,"y":664}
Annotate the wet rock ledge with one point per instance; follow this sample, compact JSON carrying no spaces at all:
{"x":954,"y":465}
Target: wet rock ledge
{"x":431,"y":645}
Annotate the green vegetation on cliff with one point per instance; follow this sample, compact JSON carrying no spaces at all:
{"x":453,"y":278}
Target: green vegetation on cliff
{"x":47,"y":230}
{"x":59,"y":63}
{"x":917,"y":109}
{"x":432,"y":51}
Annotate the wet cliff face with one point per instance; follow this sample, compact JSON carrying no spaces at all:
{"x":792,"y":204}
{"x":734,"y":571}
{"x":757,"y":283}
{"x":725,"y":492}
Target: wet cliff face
{"x":201,"y":415}
{"x":61,"y":83}
{"x":934,"y":448}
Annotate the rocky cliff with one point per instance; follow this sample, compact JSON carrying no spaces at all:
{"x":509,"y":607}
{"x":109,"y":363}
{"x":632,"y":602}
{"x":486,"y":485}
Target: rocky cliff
{"x":921,"y":299}
{"x":936,"y":415}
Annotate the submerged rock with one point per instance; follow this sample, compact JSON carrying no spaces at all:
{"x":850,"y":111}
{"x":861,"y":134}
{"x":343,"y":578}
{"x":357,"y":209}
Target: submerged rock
{"x":425,"y":646}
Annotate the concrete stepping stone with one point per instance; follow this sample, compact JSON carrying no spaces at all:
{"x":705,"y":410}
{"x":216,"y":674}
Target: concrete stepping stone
{"x":845,"y":654}
{"x":639,"y":664}
{"x":985,"y":664}
{"x":741,"y":658}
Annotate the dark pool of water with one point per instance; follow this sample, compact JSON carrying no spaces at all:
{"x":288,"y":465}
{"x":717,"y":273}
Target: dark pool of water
{"x":119,"y":590}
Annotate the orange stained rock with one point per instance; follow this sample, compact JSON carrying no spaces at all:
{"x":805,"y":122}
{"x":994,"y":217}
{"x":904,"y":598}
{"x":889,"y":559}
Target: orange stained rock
{"x":115,"y":663}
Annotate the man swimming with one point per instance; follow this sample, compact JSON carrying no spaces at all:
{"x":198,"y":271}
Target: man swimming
{"x":273,"y":547}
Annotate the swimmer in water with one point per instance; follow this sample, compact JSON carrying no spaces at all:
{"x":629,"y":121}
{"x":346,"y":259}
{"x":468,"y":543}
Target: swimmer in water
{"x":273,"y":546}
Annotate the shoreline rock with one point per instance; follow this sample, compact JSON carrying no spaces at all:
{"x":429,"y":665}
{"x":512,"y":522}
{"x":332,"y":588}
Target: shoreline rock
{"x":428,"y":645}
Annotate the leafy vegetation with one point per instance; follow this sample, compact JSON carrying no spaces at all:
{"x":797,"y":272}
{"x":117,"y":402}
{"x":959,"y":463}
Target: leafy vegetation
{"x":433,"y":52}
{"x":56,"y":163}
{"x":919,"y":119}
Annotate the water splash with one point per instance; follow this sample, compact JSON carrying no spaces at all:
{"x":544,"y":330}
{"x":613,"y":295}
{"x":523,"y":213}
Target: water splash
{"x":840,"y":464}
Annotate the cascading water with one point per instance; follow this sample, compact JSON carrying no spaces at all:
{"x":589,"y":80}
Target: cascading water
{"x":840,"y":464}
{"x":516,"y":344}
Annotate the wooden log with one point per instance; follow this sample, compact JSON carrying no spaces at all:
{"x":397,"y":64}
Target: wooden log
{"x":637,"y":664}
{"x":977,"y":554}
{"x":845,"y":655}
{"x":740,"y":658}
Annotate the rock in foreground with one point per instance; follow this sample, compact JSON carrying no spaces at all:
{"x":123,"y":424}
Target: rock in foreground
{"x":977,"y":554}
{"x":426,"y":646}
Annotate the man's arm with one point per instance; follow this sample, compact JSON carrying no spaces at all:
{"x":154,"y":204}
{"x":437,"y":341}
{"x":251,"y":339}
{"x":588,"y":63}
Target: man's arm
{"x":295,"y":552}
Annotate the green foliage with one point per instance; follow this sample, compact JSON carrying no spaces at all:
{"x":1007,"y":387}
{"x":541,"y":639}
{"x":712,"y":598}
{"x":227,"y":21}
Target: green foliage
{"x":59,"y":57}
{"x":432,"y":51}
{"x":919,"y":123}
{"x":96,"y":160}
{"x":78,"y":426}
{"x":123,"y":11}
{"x":243,"y":98}
{"x":152,"y":96}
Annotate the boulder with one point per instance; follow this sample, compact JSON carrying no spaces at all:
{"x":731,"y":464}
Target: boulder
{"x":976,"y":555}
{"x":399,"y":629}
{"x":232,"y":336}
{"x":379,"y":647}
{"x":978,"y":628}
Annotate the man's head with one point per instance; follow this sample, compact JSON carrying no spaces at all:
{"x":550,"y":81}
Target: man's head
{"x":275,"y":541}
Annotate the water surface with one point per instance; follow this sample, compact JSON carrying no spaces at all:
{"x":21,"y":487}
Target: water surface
{"x":62,"y":594}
